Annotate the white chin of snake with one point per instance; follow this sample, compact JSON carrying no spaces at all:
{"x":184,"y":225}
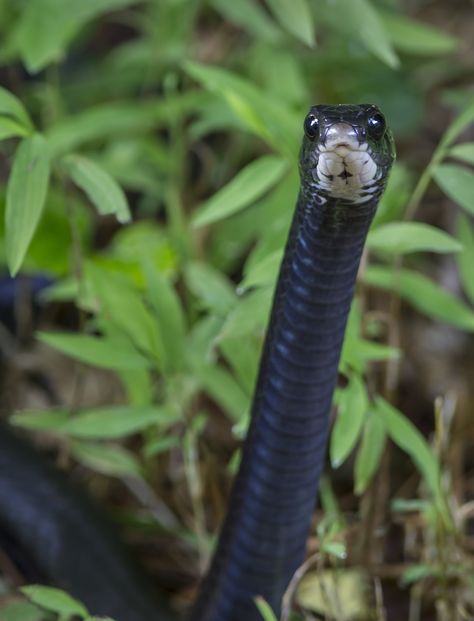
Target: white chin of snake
{"x":347,"y":171}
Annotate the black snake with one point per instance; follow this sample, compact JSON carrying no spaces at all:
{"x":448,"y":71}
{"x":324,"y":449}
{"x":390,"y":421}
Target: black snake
{"x":346,"y":156}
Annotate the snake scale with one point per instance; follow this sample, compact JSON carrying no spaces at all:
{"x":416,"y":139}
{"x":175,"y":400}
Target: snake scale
{"x":345,"y":159}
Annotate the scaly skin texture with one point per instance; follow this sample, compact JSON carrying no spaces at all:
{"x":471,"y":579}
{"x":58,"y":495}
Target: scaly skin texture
{"x":59,"y":533}
{"x":264,"y":535}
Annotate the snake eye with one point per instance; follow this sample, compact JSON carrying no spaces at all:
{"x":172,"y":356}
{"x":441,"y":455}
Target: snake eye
{"x":376,"y":125}
{"x":311,"y":126}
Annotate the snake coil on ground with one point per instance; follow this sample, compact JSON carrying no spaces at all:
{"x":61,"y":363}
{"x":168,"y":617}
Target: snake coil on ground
{"x":346,"y":156}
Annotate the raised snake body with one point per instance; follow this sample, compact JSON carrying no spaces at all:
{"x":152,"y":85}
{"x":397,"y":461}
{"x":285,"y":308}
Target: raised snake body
{"x":345,"y":159}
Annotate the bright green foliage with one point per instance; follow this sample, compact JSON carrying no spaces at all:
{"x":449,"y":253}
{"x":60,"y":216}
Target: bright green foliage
{"x":265,"y":609}
{"x":150,"y":166}
{"x":26,"y":195}
{"x":353,"y":404}
{"x":55,"y":600}
{"x":107,"y":196}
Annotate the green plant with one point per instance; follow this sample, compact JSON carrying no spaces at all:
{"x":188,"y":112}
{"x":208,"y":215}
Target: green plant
{"x":198,"y":161}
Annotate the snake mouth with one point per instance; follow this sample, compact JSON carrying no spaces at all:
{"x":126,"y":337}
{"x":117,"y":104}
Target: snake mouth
{"x":345,"y":167}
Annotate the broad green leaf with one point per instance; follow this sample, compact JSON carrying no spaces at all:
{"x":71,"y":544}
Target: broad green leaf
{"x":260,"y":112}
{"x":98,"y":352}
{"x":106,"y":459}
{"x":116,"y":421}
{"x":413,"y":37}
{"x":295,"y":17}
{"x":43,"y":420}
{"x":423,"y":294}
{"x":54,"y":600}
{"x":466,"y":257}
{"x":463,"y":120}
{"x":265,"y":609}
{"x":458,"y":183}
{"x":406,"y":237}
{"x":11,"y":106}
{"x":21,"y":611}
{"x":99,"y":122}
{"x":9,"y":128}
{"x":156,"y":446}
{"x":170,"y":316}
{"x":370,"y":452}
{"x":361,"y":22}
{"x":352,"y":408}
{"x":415,"y":573}
{"x":139,"y":387}
{"x":43,"y":40}
{"x":250,"y":16}
{"x":26,"y":194}
{"x":463,"y":151}
{"x":102,"y":189}
{"x":211,"y":287}
{"x":96,"y":423}
{"x":122,"y":305}
{"x":223,"y":388}
{"x":407,"y":437}
{"x":244,"y":189}
{"x":250,"y":315}
{"x":264,"y":272}
{"x":242,"y":355}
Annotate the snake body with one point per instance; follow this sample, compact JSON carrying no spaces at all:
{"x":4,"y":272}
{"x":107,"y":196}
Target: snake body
{"x":345,"y":159}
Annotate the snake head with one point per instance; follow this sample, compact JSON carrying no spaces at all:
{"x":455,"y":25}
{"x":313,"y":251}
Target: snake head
{"x":347,"y":152}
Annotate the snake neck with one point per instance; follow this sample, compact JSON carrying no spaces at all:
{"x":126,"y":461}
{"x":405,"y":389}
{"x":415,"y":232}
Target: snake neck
{"x":265,"y":531}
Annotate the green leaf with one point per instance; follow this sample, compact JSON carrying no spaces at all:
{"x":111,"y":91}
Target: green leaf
{"x":211,"y":287}
{"x":21,"y":611}
{"x":466,"y":257}
{"x":222,"y":387}
{"x":11,"y":106}
{"x":259,"y":111}
{"x":54,"y":600}
{"x":463,"y":151}
{"x":423,"y":294}
{"x":244,"y":189}
{"x":250,"y":16}
{"x":353,"y":404}
{"x":407,"y":437}
{"x":10,"y":128}
{"x":26,"y":194}
{"x":96,"y":423}
{"x":104,"y":353}
{"x":43,"y":40}
{"x":116,"y":421}
{"x":458,"y":183}
{"x":242,"y":355}
{"x":406,"y":237}
{"x":170,"y":317}
{"x":415,"y":573}
{"x":463,"y":120}
{"x":106,"y":459}
{"x":295,"y":17}
{"x":44,"y":420}
{"x":362,"y":22}
{"x":102,"y":190}
{"x":263,"y":272}
{"x":124,"y":308}
{"x":369,"y":453}
{"x":250,"y":314}
{"x":413,"y":37}
{"x":265,"y":609}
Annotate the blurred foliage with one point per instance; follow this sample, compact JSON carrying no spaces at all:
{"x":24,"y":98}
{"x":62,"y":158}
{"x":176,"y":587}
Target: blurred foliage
{"x":149,"y":164}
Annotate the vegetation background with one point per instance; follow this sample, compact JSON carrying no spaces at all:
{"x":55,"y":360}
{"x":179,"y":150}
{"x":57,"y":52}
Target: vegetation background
{"x":148,"y":173}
